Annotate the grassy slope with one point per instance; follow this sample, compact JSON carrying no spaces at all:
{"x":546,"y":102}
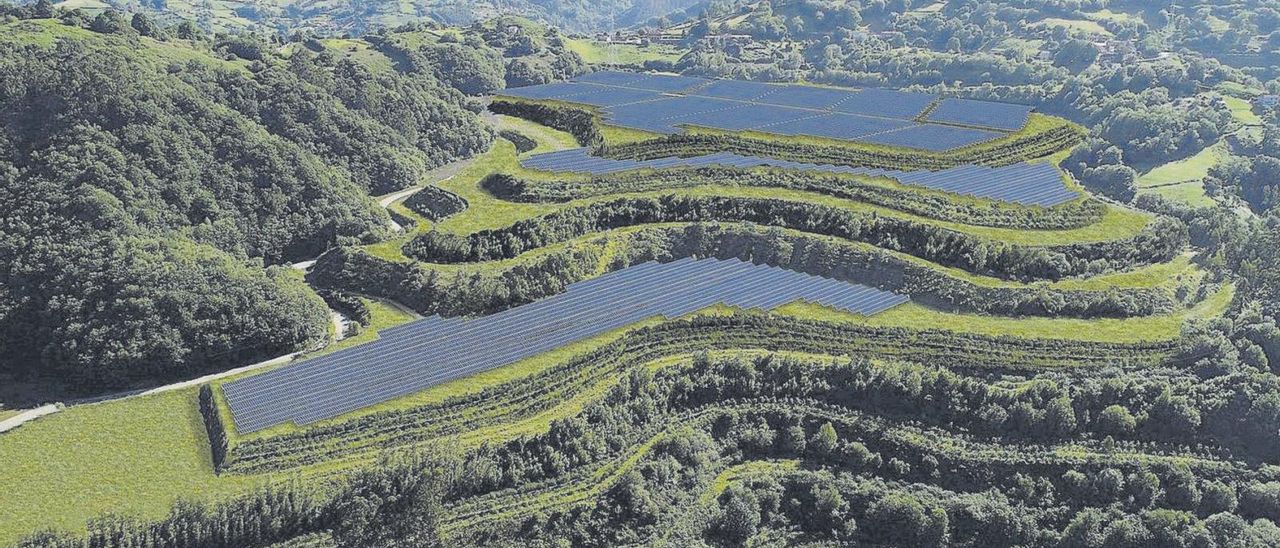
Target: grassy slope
{"x":1077,"y":25}
{"x":595,"y":52}
{"x":1182,"y":180}
{"x":739,"y":472}
{"x":133,"y":456}
{"x":1192,"y":193}
{"x":1242,"y":111}
{"x":1192,"y":168}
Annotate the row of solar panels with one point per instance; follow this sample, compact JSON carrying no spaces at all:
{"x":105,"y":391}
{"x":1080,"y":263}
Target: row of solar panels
{"x":869,"y":115}
{"x":868,"y":101}
{"x":434,"y":350}
{"x":1038,"y":184}
{"x":667,"y":114}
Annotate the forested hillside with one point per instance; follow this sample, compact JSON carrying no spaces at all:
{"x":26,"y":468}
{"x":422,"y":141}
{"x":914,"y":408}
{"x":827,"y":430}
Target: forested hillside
{"x":152,"y":174}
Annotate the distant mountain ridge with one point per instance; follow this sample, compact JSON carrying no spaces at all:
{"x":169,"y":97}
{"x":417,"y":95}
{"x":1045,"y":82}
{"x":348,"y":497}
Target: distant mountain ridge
{"x":332,"y":17}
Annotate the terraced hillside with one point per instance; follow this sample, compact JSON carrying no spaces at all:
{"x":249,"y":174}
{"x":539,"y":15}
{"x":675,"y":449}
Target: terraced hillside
{"x":1041,"y":383}
{"x":1032,"y":307}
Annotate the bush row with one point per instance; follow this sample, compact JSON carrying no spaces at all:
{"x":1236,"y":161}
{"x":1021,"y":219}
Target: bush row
{"x":1002,"y":153}
{"x":348,"y":305}
{"x":528,"y":396}
{"x":523,"y":143}
{"x":580,"y":123}
{"x":933,"y":205}
{"x":1159,"y":241}
{"x":435,"y":203}
{"x":218,"y":442}
{"x":429,"y":292}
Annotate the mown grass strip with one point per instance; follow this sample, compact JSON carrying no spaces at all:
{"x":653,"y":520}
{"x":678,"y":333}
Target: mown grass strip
{"x":1110,"y":330}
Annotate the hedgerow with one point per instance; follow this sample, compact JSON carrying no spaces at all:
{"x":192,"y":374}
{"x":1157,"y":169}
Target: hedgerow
{"x":435,"y":203}
{"x":928,"y":204}
{"x":1159,"y":241}
{"x":430,"y":292}
{"x":513,"y":401}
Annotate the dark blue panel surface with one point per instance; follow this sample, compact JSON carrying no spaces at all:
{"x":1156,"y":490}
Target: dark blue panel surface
{"x":968,"y":112}
{"x":739,"y":90}
{"x":887,"y":103}
{"x":932,"y":137}
{"x":435,"y":350}
{"x":809,"y":97}
{"x":836,"y":126}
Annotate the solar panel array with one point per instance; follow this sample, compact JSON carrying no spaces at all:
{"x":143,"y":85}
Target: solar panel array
{"x":1039,"y":184}
{"x":664,"y":103}
{"x":932,"y":137}
{"x":434,"y":350}
{"x":968,"y":112}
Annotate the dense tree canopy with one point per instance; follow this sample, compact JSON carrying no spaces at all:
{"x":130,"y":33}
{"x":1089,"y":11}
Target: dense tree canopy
{"x":143,"y":194}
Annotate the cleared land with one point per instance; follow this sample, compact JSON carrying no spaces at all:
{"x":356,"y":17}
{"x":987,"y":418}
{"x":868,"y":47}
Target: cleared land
{"x":595,"y":52}
{"x":134,"y":456}
{"x":1242,"y":111}
{"x":1190,"y":169}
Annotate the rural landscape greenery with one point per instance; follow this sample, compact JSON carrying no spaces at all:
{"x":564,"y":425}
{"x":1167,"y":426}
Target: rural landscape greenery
{"x":189,"y":188}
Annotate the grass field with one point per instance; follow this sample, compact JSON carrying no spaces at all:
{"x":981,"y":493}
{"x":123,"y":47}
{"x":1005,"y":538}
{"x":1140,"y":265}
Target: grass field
{"x":132,"y":457}
{"x":1236,"y":89}
{"x":595,"y":52}
{"x":1191,"y":193}
{"x":1192,"y":168}
{"x":1242,"y":111}
{"x":361,"y":51}
{"x":1113,"y":16}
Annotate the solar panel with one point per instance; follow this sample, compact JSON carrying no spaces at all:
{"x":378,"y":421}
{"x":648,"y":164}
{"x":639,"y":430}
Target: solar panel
{"x":932,"y":137}
{"x":835,"y":126}
{"x":740,"y":90}
{"x":609,"y":77}
{"x":434,"y":350}
{"x":810,"y":97}
{"x":1036,"y":184}
{"x":667,"y":83}
{"x":987,"y":114}
{"x":744,"y":116}
{"x":554,"y":90}
{"x":886,"y":103}
{"x":644,"y":101}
